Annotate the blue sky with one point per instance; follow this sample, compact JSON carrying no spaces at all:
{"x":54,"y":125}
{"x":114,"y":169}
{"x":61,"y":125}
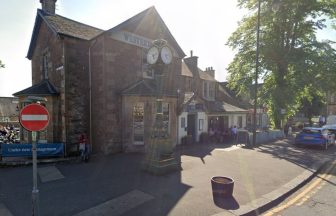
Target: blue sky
{"x":198,"y":25}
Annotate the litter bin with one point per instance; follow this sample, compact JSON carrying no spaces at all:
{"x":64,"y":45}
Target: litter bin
{"x":222,"y":187}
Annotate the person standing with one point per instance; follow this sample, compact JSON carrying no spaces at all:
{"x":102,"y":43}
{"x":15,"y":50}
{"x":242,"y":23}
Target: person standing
{"x":234,"y":133}
{"x":321,"y":120}
{"x":83,"y":147}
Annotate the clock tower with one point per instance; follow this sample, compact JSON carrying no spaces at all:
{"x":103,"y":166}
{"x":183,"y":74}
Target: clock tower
{"x":159,"y":154}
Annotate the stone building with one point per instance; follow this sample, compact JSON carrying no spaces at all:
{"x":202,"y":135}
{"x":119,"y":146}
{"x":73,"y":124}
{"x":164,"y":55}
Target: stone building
{"x":204,"y":103}
{"x":98,"y":82}
{"x":9,"y":111}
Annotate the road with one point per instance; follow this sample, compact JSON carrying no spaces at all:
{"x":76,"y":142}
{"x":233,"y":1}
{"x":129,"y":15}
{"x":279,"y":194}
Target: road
{"x":318,"y":197}
{"x":116,"y":185}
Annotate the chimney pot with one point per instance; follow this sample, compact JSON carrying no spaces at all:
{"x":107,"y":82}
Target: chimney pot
{"x":191,"y":53}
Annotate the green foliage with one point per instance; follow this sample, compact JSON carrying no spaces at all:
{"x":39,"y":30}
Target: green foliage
{"x":1,"y":65}
{"x":297,"y":70}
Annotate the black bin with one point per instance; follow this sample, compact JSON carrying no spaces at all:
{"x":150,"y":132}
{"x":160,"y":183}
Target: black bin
{"x":222,"y":187}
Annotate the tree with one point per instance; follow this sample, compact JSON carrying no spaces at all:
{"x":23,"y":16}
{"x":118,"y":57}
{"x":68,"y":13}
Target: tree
{"x":292,"y":60}
{"x":1,"y":65}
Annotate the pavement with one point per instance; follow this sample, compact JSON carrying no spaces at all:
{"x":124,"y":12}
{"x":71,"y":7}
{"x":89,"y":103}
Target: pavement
{"x":116,"y":184}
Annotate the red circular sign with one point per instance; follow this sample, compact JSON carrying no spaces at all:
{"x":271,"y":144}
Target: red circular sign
{"x":34,"y":117}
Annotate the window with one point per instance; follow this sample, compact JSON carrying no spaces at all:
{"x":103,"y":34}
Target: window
{"x":212,"y":90}
{"x":138,"y":124}
{"x":183,"y":125}
{"x":240,"y":121}
{"x":188,"y":84}
{"x":200,"y":124}
{"x":205,"y":89}
{"x":165,"y":117}
{"x":209,"y":89}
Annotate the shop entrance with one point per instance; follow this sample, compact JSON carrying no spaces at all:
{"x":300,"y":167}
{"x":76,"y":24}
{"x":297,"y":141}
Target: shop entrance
{"x":192,"y":126}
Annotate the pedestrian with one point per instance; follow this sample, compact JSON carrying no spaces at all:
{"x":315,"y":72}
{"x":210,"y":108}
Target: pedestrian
{"x":321,"y":120}
{"x":83,"y":147}
{"x":234,"y":133}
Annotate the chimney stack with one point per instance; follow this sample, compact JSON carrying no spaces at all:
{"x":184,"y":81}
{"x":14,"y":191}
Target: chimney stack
{"x":210,"y":71}
{"x":192,"y":61}
{"x":48,"y":6}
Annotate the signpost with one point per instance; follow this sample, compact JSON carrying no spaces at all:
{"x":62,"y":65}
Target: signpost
{"x":34,"y":117}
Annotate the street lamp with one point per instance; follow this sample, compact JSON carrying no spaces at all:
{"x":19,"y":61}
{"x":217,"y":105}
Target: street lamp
{"x":256,"y":81}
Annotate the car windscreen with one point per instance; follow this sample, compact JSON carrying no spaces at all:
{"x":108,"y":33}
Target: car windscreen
{"x":311,"y":131}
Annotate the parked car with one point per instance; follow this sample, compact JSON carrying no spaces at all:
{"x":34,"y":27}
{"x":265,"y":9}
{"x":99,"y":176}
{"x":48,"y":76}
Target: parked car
{"x":315,"y":136}
{"x":331,"y":128}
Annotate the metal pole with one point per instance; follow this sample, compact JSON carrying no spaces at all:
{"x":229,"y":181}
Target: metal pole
{"x":35,"y":192}
{"x":256,"y":81}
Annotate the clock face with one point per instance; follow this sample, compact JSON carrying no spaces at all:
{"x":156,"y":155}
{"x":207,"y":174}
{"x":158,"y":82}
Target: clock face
{"x":166,"y":55}
{"x":152,"y":55}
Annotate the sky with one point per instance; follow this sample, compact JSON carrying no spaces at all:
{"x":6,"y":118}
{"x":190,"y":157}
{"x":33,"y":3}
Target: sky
{"x":199,"y":25}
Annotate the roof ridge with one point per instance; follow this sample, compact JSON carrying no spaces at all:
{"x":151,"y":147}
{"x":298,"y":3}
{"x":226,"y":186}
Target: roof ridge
{"x":48,"y":14}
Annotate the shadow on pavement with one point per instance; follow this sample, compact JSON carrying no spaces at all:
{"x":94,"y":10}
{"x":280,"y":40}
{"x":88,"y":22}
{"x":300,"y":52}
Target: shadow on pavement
{"x":229,"y":203}
{"x":304,"y":157}
{"x":200,"y":150}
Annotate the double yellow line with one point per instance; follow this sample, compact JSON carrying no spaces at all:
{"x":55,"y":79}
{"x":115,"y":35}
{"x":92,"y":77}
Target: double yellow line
{"x":325,"y":176}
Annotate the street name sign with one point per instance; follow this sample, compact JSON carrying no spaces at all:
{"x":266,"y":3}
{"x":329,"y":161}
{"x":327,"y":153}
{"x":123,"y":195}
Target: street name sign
{"x":34,"y":117}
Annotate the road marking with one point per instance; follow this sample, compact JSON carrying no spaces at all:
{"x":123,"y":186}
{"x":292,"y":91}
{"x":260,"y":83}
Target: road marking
{"x":119,"y":205}
{"x":312,"y":186}
{"x":50,"y":173}
{"x":4,"y":210}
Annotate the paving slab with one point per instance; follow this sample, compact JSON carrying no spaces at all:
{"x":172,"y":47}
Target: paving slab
{"x":119,"y":205}
{"x":50,"y":173}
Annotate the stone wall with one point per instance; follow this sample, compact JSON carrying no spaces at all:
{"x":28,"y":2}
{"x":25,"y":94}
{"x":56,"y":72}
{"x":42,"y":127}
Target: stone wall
{"x":76,"y":90}
{"x":68,"y":72}
{"x":52,"y":47}
{"x":115,"y":67}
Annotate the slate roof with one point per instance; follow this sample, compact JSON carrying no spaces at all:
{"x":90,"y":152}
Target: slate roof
{"x":138,"y":18}
{"x":62,"y":26}
{"x":221,"y":106}
{"x":65,"y":26}
{"x":205,"y":76}
{"x":185,"y":71}
{"x":42,"y":88}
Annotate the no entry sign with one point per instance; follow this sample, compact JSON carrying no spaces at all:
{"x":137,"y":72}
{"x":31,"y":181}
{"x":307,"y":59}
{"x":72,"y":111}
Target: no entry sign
{"x":34,"y":117}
